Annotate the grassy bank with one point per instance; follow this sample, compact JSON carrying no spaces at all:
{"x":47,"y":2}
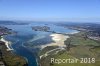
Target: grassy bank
{"x":10,"y":59}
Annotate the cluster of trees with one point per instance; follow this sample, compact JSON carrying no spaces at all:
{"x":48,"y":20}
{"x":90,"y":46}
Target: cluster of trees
{"x":68,"y":43}
{"x":41,"y":28}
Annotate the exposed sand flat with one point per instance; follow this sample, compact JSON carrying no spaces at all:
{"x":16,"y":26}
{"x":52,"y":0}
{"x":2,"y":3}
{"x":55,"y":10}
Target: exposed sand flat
{"x":7,"y":44}
{"x":58,"y":40}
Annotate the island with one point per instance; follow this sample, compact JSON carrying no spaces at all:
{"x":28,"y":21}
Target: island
{"x":41,"y":28}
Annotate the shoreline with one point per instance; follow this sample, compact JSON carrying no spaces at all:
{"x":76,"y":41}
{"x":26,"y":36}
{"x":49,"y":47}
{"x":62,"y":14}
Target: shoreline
{"x":73,"y":32}
{"x":7,"y":43}
{"x":58,"y":40}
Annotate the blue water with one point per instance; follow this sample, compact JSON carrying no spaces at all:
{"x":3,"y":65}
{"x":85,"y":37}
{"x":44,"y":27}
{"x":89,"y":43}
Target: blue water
{"x":24,"y":41}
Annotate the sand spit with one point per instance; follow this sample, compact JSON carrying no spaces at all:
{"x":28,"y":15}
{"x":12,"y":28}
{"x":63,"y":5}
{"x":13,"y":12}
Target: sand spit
{"x":58,"y":40}
{"x":7,"y":43}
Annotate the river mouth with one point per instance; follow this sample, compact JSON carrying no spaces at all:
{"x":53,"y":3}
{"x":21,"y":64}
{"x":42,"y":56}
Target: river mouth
{"x":25,"y":43}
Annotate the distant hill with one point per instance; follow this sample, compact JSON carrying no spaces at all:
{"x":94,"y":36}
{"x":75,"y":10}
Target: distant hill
{"x":11,"y":23}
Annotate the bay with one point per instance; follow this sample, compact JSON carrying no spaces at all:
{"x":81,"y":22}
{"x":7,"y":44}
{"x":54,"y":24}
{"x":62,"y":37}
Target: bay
{"x":24,"y":41}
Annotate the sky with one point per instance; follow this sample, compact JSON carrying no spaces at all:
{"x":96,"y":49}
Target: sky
{"x":50,"y":10}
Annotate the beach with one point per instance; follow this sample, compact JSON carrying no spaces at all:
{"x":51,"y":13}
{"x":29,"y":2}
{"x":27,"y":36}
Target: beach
{"x":58,"y":40}
{"x":7,"y":43}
